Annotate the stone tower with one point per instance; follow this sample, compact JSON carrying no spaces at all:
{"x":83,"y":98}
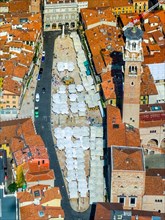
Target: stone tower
{"x":133,"y":57}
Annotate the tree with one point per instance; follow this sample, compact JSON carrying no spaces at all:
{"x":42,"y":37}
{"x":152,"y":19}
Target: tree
{"x":20,"y":179}
{"x":12,"y":187}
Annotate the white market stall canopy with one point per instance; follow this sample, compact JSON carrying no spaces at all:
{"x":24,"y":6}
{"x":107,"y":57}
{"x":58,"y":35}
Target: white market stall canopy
{"x":61,"y":66}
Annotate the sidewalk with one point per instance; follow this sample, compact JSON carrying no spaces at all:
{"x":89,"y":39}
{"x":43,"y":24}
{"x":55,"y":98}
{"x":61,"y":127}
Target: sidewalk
{"x":27,"y":108}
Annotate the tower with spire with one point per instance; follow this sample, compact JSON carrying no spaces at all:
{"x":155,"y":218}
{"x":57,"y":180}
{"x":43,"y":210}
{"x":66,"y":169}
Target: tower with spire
{"x":133,"y":57}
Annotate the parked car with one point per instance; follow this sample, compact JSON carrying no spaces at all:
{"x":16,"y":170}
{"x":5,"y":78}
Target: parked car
{"x":37,"y":97}
{"x":43,"y":90}
{"x":43,"y":53}
{"x":36,"y":112}
{"x":41,"y":70}
{"x":39,"y":77}
{"x":43,"y":56}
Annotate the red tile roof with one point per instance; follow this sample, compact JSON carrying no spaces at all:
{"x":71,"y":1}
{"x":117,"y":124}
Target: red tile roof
{"x":119,"y":133}
{"x":147,"y":85}
{"x":97,"y":15}
{"x":50,"y":194}
{"x":32,"y":212}
{"x":156,"y":172}
{"x":107,"y":211}
{"x":40,"y":176}
{"x":108,"y":88}
{"x":16,"y":128}
{"x":44,"y":192}
{"x":104,"y":41}
{"x":12,"y":86}
{"x":24,"y":197}
{"x":154,"y":185}
{"x":19,"y":6}
{"x":98,"y":3}
{"x":127,"y":158}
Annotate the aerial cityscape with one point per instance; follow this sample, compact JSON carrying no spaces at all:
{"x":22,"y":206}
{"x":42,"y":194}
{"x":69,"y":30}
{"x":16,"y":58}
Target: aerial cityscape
{"x":82,"y":109}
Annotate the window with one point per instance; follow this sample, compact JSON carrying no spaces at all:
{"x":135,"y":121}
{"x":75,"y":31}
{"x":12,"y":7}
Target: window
{"x":43,"y":162}
{"x":153,"y":131}
{"x":132,"y":201}
{"x":121,"y":200}
{"x":134,"y":46}
{"x":158,"y":200}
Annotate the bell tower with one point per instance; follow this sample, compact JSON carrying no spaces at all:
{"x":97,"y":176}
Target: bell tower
{"x":133,"y":56}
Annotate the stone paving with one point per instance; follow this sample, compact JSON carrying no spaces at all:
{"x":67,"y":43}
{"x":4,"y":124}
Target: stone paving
{"x":27,"y":108}
{"x":64,"y":52}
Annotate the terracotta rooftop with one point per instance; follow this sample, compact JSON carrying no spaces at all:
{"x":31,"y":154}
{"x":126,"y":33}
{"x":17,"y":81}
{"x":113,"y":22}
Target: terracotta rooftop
{"x":22,"y":155}
{"x":7,"y":68}
{"x":15,"y":128}
{"x":45,"y":193}
{"x":154,"y":185}
{"x":19,"y":6}
{"x":118,"y":133}
{"x":147,"y":85}
{"x":94,"y":16}
{"x":106,"y":76}
{"x":156,"y":172}
{"x":156,"y":57}
{"x":20,"y":71}
{"x":108,"y":89}
{"x":16,"y":144}
{"x":126,"y":18}
{"x":127,"y":158}
{"x":11,"y":85}
{"x":30,"y":152}
{"x":42,"y":175}
{"x":34,"y":141}
{"x":33,"y":167}
{"x":50,"y":194}
{"x":107,"y":211}
{"x":35,"y":212}
{"x":98,"y":3}
{"x":158,"y":37}
{"x":24,"y":197}
{"x":120,"y":3}
{"x":105,"y":44}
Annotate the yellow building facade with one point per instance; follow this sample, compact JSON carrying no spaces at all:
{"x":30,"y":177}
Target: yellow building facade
{"x":9,"y":100}
{"x":140,"y":6}
{"x":7,"y":149}
{"x":123,"y":9}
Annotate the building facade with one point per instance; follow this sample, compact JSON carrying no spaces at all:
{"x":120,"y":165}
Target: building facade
{"x":127,"y":176}
{"x":140,"y":6}
{"x":133,"y":57}
{"x":59,"y":13}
